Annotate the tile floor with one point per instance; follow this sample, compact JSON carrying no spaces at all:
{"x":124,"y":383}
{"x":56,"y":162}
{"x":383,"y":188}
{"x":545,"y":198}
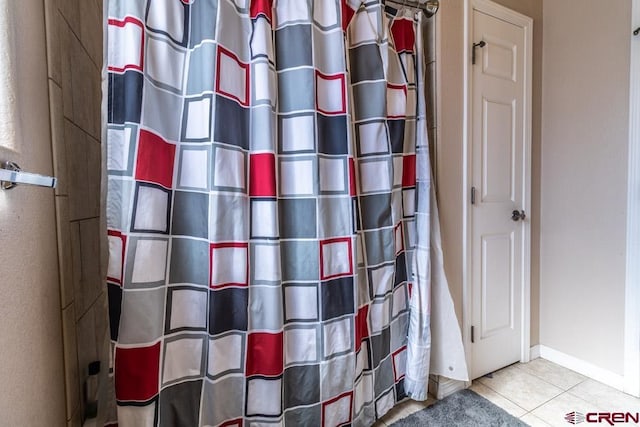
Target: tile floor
{"x":540,"y":393}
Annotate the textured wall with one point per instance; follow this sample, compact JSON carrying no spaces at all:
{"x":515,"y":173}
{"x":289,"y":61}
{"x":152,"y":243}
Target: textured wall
{"x":74,"y":53}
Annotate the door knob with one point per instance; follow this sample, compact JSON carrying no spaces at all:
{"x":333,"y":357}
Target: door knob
{"x":517,"y":215}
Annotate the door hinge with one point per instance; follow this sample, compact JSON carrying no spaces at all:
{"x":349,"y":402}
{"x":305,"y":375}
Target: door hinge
{"x":473,"y":335}
{"x":473,"y":195}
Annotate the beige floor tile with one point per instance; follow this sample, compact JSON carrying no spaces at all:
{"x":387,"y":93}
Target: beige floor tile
{"x":522,"y":388}
{"x":498,"y":399}
{"x":552,"y":373}
{"x":554,"y":411}
{"x":605,"y":397}
{"x":533,"y":421}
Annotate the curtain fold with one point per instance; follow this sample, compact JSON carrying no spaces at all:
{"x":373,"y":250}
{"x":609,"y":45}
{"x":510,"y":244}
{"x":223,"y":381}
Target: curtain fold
{"x":273,"y":234}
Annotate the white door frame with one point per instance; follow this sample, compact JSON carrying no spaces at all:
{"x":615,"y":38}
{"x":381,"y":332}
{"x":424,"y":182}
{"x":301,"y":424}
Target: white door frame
{"x":508,"y":15}
{"x":632,"y":285}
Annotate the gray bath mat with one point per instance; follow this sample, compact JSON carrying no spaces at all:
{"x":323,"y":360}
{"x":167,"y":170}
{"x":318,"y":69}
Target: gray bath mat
{"x":464,"y":408}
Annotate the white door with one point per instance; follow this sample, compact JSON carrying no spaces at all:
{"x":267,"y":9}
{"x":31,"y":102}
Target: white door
{"x":499,"y":228}
{"x":31,"y":365}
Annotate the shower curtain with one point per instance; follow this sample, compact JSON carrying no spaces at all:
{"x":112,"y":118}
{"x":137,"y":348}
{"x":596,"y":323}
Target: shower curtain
{"x":271,"y":223}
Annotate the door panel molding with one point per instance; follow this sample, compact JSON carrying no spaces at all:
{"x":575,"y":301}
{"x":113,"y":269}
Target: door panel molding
{"x":526,"y":23}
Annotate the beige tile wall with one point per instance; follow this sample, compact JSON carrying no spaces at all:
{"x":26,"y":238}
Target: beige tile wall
{"x":74,"y":55}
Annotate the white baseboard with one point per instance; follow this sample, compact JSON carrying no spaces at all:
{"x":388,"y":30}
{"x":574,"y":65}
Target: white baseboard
{"x":534,"y":352}
{"x":580,"y":366}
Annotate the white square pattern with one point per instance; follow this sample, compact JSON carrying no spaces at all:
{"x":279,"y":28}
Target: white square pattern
{"x":265,"y":82}
{"x":188,"y":309}
{"x":125,"y":45}
{"x":333,"y":175}
{"x":118,"y":153}
{"x":362,"y":27}
{"x":375,"y":176}
{"x":194,"y":169}
{"x":165,"y":64}
{"x":261,"y":43}
{"x":379,"y":316}
{"x":298,"y":133}
{"x":300,"y":345}
{"x":399,"y":300}
{"x":264,"y":221}
{"x":301,"y":302}
{"x":384,"y":404}
{"x":182,"y":358}
{"x":330,"y":94}
{"x":267,"y":263}
{"x":382,"y":279}
{"x":296,"y":177}
{"x":336,"y":259}
{"x":363,"y":392}
{"x":396,"y":101}
{"x":229,"y":168}
{"x":150,"y":261}
{"x":337,"y":337}
{"x":264,"y":396}
{"x":398,"y":168}
{"x":142,"y":416}
{"x":400,"y":364}
{"x":399,"y":239}
{"x":409,"y":202}
{"x":151,"y":210}
{"x":229,"y":266}
{"x":114,"y":270}
{"x":233,"y":78}
{"x":225,"y":354}
{"x":337,"y":413}
{"x":198,"y":119}
{"x":291,"y":10}
{"x":373,"y":138}
{"x":168,"y":17}
{"x":325,"y":13}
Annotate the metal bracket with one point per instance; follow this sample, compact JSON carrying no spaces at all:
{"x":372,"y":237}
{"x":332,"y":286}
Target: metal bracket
{"x":11,"y":175}
{"x":480,"y":44}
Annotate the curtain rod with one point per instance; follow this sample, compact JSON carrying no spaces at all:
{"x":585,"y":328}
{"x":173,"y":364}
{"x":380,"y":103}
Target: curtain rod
{"x":429,"y":7}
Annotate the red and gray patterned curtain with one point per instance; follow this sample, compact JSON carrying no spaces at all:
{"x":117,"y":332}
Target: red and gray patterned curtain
{"x":269,"y":212}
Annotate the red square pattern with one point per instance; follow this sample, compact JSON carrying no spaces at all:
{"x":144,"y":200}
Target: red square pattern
{"x":137,"y":373}
{"x":347,"y":14}
{"x":404,"y":35}
{"x":362,"y":326}
{"x":409,"y":171}
{"x":129,"y":20}
{"x":347,"y":395}
{"x":397,"y":87}
{"x":245,"y":67}
{"x":264,"y":354}
{"x":352,"y":177}
{"x":232,"y":423}
{"x":119,"y":235}
{"x":155,"y":159}
{"x":395,"y":363}
{"x":346,"y":240}
{"x":262,"y":175}
{"x":261,"y":7}
{"x":212,"y":249}
{"x":343,"y":80}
